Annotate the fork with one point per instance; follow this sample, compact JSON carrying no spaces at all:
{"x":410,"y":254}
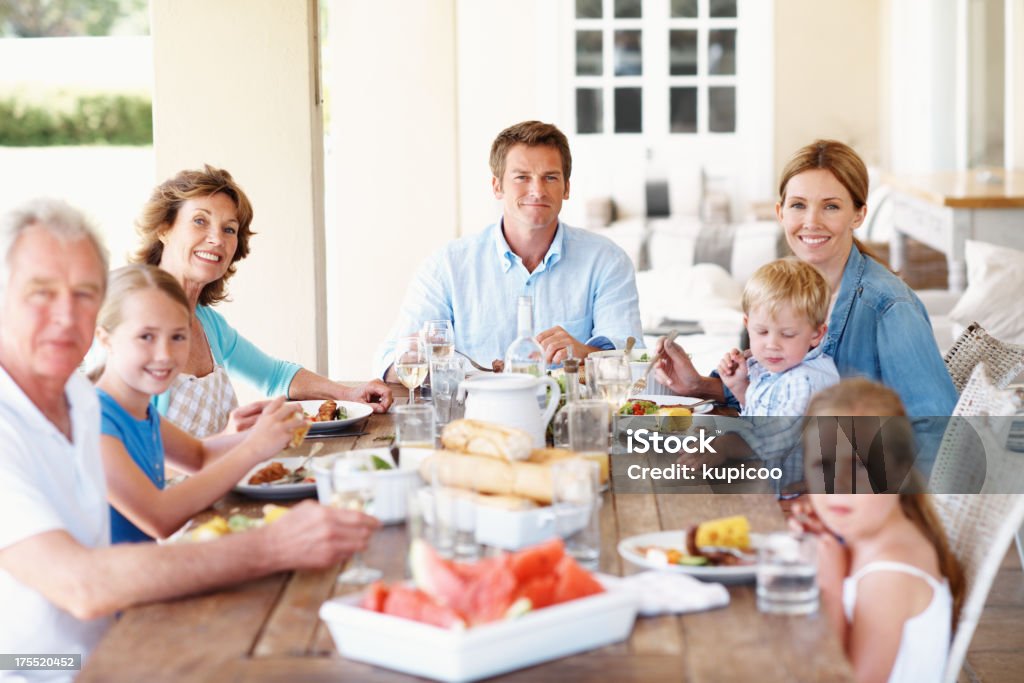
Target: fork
{"x":474,"y":363}
{"x":294,"y":475}
{"x":641,"y":383}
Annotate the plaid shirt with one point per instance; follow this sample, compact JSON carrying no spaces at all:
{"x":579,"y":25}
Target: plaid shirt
{"x":776,"y":402}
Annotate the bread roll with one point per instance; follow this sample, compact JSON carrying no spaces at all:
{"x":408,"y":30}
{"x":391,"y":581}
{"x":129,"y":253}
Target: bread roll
{"x":486,"y":438}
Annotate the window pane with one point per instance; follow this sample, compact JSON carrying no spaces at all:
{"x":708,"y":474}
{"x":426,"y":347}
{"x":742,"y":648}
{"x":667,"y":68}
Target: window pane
{"x":589,"y":112}
{"x":683,"y":112}
{"x":682,"y":53}
{"x":627,"y":9}
{"x":684,"y":8}
{"x":723,"y":8}
{"x":588,"y":9}
{"x":628,"y":112}
{"x":722,"y":110}
{"x":628,"y":60}
{"x":588,"y":53}
{"x":722,"y":51}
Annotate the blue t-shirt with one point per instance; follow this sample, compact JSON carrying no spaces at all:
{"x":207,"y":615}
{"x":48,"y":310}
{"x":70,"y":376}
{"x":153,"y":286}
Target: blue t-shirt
{"x":141,"y":438}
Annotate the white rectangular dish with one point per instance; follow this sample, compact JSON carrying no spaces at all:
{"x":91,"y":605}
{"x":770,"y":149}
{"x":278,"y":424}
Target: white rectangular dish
{"x":483,"y":651}
{"x":514,"y":529}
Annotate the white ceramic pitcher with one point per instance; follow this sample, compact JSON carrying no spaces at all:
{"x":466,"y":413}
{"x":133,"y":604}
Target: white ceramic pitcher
{"x":511,"y":400}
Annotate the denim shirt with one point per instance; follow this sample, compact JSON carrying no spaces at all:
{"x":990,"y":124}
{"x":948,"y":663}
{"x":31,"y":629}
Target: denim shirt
{"x":880,"y":330}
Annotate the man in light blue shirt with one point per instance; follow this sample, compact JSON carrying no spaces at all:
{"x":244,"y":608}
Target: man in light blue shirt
{"x":583,"y":285}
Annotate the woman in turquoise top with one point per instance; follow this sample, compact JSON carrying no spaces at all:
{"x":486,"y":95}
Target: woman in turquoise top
{"x":877,"y":327}
{"x":196,"y":226}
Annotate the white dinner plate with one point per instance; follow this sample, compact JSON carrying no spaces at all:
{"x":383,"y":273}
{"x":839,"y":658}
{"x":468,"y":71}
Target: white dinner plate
{"x":274,"y":491}
{"x":355,"y":412}
{"x":663,"y":400}
{"x":677,"y":539}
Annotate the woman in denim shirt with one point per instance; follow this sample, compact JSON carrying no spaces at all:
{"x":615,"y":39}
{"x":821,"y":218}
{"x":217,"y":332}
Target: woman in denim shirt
{"x":877,"y":327}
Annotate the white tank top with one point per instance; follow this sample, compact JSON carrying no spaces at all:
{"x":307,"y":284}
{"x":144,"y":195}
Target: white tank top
{"x":924,"y":643}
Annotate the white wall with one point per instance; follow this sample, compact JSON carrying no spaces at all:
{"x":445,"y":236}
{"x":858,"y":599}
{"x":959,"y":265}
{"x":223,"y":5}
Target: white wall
{"x":921,"y":109}
{"x":235,"y":87}
{"x":506,"y":66}
{"x":828,"y":65}
{"x":393,"y":181}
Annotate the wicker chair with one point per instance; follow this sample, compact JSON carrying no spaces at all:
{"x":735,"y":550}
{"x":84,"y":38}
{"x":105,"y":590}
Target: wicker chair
{"x":979,"y":529}
{"x":973,"y":456}
{"x":1005,"y":361}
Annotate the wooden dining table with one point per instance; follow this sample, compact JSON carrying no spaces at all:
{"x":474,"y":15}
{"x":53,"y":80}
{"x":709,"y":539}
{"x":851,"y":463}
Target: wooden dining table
{"x":269,"y":630}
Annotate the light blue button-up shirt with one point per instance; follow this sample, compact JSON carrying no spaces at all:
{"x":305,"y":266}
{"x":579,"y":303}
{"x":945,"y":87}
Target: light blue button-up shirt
{"x":585,"y":283}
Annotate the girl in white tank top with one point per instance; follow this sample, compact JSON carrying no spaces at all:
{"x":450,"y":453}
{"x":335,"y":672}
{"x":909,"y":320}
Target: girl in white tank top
{"x":897,"y":624}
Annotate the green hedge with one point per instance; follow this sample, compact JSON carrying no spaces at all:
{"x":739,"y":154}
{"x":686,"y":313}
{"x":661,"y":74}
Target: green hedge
{"x":95,"y":119}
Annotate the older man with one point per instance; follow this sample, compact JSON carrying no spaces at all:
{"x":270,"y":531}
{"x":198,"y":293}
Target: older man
{"x":583,"y":285}
{"x":59,"y":578}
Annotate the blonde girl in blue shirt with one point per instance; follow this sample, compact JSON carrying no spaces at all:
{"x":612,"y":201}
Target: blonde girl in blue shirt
{"x":144,"y":328}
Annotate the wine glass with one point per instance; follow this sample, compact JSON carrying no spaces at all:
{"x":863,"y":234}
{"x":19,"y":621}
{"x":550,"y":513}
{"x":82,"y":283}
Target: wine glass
{"x":411,"y":363}
{"x":612,"y":378}
{"x":353,"y":484}
{"x":439,"y":336}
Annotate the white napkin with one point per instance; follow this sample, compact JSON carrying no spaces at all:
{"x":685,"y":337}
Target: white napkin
{"x":669,"y":593}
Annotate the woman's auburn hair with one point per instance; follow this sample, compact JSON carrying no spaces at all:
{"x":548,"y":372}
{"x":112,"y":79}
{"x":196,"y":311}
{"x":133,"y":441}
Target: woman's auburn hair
{"x":844,"y":164}
{"x":161,"y":210}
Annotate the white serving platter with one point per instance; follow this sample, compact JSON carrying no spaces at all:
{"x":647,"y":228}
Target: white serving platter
{"x":483,"y":651}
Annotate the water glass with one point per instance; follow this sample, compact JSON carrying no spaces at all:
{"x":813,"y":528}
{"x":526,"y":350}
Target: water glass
{"x":787,"y":574}
{"x":444,"y":502}
{"x":589,"y":426}
{"x":445,"y":376}
{"x":352,"y":488}
{"x":576,"y":502}
{"x":414,"y":433}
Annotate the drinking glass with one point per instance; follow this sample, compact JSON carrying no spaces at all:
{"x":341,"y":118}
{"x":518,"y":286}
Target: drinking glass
{"x":787,"y":574}
{"x":589,"y":423}
{"x":414,"y":433}
{"x":439,"y":336}
{"x":576,"y":502}
{"x":411,"y":363}
{"x":445,"y":375}
{"x":612,"y":378}
{"x":352,"y":488}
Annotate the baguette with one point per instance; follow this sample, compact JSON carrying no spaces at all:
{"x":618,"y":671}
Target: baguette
{"x":512,"y":503}
{"x":485,"y":474}
{"x":488,"y":439}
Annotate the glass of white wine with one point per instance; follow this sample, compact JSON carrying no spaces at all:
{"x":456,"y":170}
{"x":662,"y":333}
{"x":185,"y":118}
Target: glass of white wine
{"x":411,"y":363}
{"x":439,"y":336}
{"x":612,"y":379}
{"x":352,"y":488}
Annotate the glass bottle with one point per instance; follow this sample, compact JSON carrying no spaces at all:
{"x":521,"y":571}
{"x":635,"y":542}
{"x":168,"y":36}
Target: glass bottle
{"x":560,"y":422}
{"x":524,"y":354}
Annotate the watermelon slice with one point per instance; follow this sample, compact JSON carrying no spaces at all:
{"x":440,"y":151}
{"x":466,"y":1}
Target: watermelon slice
{"x":540,"y":560}
{"x":411,"y":603}
{"x":574,"y":581}
{"x":540,"y":591}
{"x":434,"y":576}
{"x":375,"y":596}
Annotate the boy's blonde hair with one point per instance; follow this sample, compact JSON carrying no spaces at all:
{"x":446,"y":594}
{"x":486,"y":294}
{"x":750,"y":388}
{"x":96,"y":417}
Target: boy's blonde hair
{"x":788,"y":282}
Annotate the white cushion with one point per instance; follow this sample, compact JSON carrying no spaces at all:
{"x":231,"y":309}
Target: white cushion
{"x":995,"y":280}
